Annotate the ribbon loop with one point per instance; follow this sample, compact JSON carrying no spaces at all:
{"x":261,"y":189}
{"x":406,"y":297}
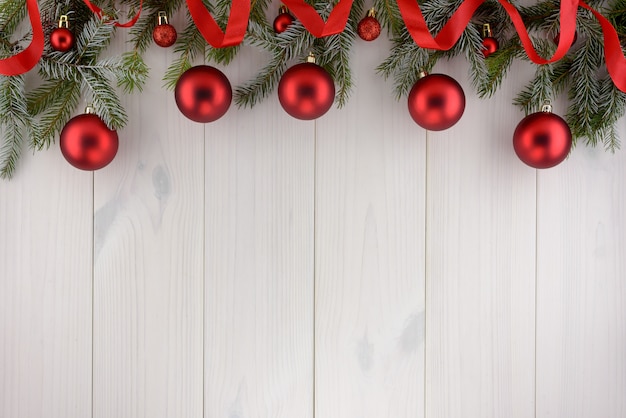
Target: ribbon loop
{"x":569,"y":8}
{"x":210,"y":30}
{"x":312,"y":21}
{"x":25,"y":60}
{"x":448,"y":35}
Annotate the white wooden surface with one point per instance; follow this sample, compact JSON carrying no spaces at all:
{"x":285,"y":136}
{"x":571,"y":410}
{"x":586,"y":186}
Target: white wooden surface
{"x":352,"y":267}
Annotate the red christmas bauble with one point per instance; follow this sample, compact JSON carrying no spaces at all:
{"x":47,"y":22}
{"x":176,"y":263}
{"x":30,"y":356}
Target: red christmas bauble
{"x":61,"y":39}
{"x":87,"y":143}
{"x":203,"y":94}
{"x":542,"y":140}
{"x":306,"y":91}
{"x":368,"y":28}
{"x":436,"y":102}
{"x":282,"y":22}
{"x":490,"y":45}
{"x":164,"y":35}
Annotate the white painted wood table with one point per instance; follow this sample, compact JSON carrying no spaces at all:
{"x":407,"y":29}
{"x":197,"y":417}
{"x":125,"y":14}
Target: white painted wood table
{"x":355,"y":266}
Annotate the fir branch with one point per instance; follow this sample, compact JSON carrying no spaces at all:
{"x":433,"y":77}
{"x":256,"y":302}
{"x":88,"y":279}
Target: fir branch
{"x":611,"y":111}
{"x":335,"y":55}
{"x":94,"y":38}
{"x":584,"y":92}
{"x":498,"y":64}
{"x":222,"y":56}
{"x":389,"y":16}
{"x":11,"y":15}
{"x":258,"y":10}
{"x":14,"y":119}
{"x":295,"y":42}
{"x":104,"y":97}
{"x":190,"y":44}
{"x":471,"y":44}
{"x":132,"y":72}
{"x":55,"y":101}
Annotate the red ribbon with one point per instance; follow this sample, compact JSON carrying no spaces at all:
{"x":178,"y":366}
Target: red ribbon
{"x":569,"y":9}
{"x":448,"y":35}
{"x":312,"y":21}
{"x":615,"y":62}
{"x":210,"y":30}
{"x":25,"y":60}
{"x":98,"y":12}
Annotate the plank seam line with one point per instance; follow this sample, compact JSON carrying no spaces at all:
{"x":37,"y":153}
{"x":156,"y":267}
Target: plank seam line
{"x":314,"y":262}
{"x":204,"y":233}
{"x":426,"y":201}
{"x":536,"y":279}
{"x":93,"y":281}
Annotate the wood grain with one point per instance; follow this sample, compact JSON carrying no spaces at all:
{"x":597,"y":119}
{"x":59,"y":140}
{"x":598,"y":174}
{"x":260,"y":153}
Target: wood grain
{"x":480,"y":297}
{"x":45,"y":289}
{"x":259,"y":260}
{"x":581,"y":287}
{"x":149,"y":262}
{"x":370,"y":191}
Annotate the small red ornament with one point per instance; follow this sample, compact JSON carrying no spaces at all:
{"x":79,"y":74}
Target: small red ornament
{"x":164,"y":34}
{"x":369,"y":27}
{"x":61,"y":38}
{"x":306,"y":91}
{"x":542,"y":139}
{"x":490,"y":44}
{"x":283,"y":20}
{"x":203,"y":94}
{"x":87,"y":143}
{"x":436,"y":101}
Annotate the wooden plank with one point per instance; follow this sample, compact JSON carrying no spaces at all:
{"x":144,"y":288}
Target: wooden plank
{"x":370,"y":191}
{"x":45,"y":289}
{"x":480,"y":283}
{"x":259,"y":260}
{"x":149,"y":261}
{"x":581,"y":290}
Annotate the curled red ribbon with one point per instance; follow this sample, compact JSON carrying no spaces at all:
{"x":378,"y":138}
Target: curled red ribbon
{"x":613,"y":56}
{"x":312,"y":21}
{"x":25,"y":60}
{"x":98,"y":12}
{"x":210,"y":30}
{"x":567,"y":30}
{"x":448,"y":35}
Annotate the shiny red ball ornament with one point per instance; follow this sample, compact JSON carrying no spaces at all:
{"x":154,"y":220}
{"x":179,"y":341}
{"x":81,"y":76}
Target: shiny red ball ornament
{"x":436,"y":102}
{"x":283,"y":20}
{"x":62,"y":39}
{"x":306,"y":91}
{"x":542,"y":139}
{"x":490,"y":44}
{"x":87,"y":143}
{"x":203,"y":94}
{"x":369,"y":27}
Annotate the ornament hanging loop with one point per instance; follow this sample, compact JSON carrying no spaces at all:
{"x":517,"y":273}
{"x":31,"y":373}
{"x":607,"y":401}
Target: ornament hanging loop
{"x":547,"y":107}
{"x":89,"y":108}
{"x":486,"y":30}
{"x":64,"y":22}
{"x":311,"y":58}
{"x":371,"y":12}
{"x":282,"y":9}
{"x":162,"y":18}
